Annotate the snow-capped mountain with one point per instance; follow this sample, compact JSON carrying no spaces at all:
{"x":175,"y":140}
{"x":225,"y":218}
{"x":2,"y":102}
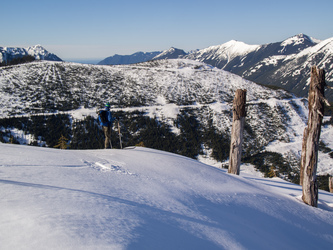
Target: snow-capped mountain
{"x":41,"y":53}
{"x":9,"y":53}
{"x":237,"y":56}
{"x":284,"y":64}
{"x":129,"y":59}
{"x":221,"y":55}
{"x":139,"y":57}
{"x":294,"y":67}
{"x":163,"y":89}
{"x":172,"y":53}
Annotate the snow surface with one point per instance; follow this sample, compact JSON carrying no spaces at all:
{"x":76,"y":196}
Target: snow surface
{"x":147,"y":199}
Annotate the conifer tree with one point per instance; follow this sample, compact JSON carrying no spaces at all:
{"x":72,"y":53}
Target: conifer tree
{"x":62,"y":143}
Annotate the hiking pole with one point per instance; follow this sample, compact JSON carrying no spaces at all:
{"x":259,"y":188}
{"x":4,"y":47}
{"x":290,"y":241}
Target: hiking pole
{"x":121,"y":145}
{"x":109,"y":135}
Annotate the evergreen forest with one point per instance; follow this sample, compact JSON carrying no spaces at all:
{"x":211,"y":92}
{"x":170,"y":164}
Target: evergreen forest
{"x":137,"y":129}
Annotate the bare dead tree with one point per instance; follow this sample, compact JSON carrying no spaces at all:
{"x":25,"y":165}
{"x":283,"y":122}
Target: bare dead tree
{"x":238,"y":121}
{"x":311,"y":137}
{"x":330,"y":183}
{"x":305,"y":135}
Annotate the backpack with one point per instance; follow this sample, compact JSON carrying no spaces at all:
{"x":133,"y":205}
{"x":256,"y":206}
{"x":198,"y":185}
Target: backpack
{"x":103,"y":116}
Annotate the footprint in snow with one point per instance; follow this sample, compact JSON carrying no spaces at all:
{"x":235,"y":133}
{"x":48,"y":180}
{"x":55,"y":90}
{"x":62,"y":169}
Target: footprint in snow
{"x":111,"y":167}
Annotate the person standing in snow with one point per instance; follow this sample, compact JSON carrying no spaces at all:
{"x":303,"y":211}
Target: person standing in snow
{"x":106,"y":120}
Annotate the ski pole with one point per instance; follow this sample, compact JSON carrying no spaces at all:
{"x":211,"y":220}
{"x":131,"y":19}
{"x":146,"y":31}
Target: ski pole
{"x":110,"y":137}
{"x":121,"y":145}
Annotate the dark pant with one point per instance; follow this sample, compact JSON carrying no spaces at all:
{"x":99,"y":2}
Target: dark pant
{"x":107,"y":134}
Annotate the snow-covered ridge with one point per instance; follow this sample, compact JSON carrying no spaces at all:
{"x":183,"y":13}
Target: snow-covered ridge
{"x":172,"y":53}
{"x":299,"y":39}
{"x":129,"y":59}
{"x":180,"y":80}
{"x":285,"y":64}
{"x":227,"y":51}
{"x":40,"y":53}
{"x":325,"y":46}
{"x":234,"y":47}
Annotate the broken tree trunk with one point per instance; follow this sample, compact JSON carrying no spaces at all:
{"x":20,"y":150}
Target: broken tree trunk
{"x":311,"y":137}
{"x":305,"y":137}
{"x":238,"y":121}
{"x":330,"y":183}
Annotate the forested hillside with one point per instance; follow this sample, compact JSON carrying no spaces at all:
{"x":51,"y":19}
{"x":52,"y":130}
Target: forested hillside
{"x":180,"y":106}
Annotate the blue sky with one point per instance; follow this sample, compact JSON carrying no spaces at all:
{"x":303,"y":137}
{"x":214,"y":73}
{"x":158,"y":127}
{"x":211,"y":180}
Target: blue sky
{"x":101,"y":28}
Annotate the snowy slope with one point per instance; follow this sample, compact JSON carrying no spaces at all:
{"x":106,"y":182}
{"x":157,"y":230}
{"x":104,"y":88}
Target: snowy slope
{"x":179,"y":81}
{"x":161,"y":89}
{"x":147,"y":199}
{"x":222,"y":55}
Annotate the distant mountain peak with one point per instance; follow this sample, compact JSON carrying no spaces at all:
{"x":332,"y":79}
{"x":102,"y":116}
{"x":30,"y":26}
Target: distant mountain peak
{"x":37,"y":46}
{"x":241,"y":47}
{"x":40,"y":53}
{"x":299,"y":39}
{"x":296,"y":44}
{"x":129,"y":59}
{"x":172,"y":53}
{"x":301,"y":35}
{"x":37,"y":51}
{"x":221,"y":55}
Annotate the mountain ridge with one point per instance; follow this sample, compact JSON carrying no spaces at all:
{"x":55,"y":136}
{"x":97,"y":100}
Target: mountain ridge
{"x":172,"y":53}
{"x":38,"y":52}
{"x":285,"y":64}
{"x":267,"y":64}
{"x":129,"y":59}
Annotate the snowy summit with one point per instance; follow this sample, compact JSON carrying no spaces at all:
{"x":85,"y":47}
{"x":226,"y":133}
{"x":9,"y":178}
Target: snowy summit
{"x":139,"y":198}
{"x":9,"y":53}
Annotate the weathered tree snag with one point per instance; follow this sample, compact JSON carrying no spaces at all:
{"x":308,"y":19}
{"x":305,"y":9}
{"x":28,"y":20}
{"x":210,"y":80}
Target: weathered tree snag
{"x":311,"y":137}
{"x":305,"y":137}
{"x":330,"y":183}
{"x":238,"y":121}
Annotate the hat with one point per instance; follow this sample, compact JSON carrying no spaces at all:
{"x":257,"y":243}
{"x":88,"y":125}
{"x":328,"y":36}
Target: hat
{"x":107,"y":105}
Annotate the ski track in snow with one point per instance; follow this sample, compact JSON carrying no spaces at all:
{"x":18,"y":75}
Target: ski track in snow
{"x":105,"y":166}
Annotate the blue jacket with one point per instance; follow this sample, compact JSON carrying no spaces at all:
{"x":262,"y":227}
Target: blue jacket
{"x":110,"y":119}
